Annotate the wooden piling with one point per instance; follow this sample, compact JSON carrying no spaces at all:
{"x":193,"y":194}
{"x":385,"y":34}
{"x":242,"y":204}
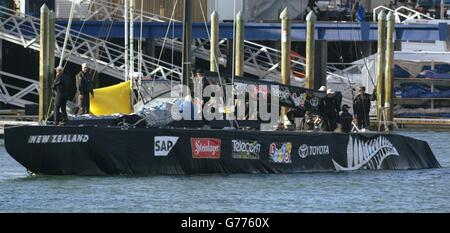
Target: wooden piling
{"x":52,"y":47}
{"x":389,"y":66}
{"x":45,"y":90}
{"x":285,"y":53}
{"x":310,"y":46}
{"x":381,"y":65}
{"x":214,"y":52}
{"x":239,"y":49}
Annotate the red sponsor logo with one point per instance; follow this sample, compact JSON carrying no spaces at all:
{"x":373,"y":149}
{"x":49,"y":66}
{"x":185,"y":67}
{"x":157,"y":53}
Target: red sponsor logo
{"x":205,"y":148}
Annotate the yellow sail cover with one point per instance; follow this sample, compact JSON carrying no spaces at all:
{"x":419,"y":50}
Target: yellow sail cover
{"x":112,"y":99}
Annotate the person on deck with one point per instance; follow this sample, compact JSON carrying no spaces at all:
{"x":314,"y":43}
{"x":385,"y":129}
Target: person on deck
{"x":330,"y":108}
{"x":345,"y":119}
{"x":62,"y":87}
{"x":361,"y":107}
{"x":84,"y":80}
{"x":200,"y":82}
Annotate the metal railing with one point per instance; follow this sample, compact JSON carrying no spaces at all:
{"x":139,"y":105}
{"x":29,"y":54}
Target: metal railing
{"x":261,"y":61}
{"x":26,"y":91}
{"x":102,"y":10}
{"x":107,"y":57}
{"x":401,"y":14}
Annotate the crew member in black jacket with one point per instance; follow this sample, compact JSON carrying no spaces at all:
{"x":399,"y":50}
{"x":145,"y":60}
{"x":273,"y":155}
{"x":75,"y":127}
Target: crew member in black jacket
{"x":345,"y":119}
{"x":361,"y":107}
{"x":62,"y":87}
{"x":330,"y":107}
{"x":84,"y":87}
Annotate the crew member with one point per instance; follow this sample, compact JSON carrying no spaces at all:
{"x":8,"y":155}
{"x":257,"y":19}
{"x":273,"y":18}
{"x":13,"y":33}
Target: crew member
{"x":345,"y":119}
{"x":361,"y":107}
{"x":330,"y":108}
{"x":84,"y":87}
{"x":62,"y":87}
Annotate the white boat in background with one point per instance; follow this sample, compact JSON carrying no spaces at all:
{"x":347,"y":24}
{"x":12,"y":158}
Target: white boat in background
{"x":413,"y":57}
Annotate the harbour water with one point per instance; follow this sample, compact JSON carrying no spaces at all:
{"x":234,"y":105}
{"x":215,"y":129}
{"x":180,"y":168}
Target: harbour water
{"x":360,"y":191}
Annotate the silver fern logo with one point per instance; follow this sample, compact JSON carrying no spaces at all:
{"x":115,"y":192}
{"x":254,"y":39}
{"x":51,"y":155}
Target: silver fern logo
{"x":366,"y":154}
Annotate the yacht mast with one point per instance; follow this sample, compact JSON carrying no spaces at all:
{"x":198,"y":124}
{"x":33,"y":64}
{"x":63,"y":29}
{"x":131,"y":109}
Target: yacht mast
{"x":131,"y":42}
{"x":187,"y":41}
{"x":139,"y":80}
{"x":125,"y":14}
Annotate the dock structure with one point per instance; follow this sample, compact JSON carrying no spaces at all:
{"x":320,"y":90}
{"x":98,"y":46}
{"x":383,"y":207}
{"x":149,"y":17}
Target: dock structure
{"x":328,"y":31}
{"x":15,"y":117}
{"x":12,"y":123}
{"x":435,"y":123}
{"x":324,"y":31}
{"x":417,"y":123}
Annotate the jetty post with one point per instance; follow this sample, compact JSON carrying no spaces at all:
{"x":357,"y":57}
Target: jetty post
{"x":52,"y":47}
{"x":285,"y":53}
{"x":310,"y":47}
{"x":381,"y":65}
{"x":45,"y":62}
{"x":214,"y":53}
{"x":389,"y":67}
{"x":239,"y":49}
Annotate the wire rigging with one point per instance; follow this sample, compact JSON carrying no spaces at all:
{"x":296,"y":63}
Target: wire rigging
{"x":226,"y":105}
{"x":78,"y":36}
{"x":165,"y":39}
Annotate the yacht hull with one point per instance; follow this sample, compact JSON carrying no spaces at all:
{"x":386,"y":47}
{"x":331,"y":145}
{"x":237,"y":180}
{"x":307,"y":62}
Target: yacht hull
{"x":90,"y":150}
